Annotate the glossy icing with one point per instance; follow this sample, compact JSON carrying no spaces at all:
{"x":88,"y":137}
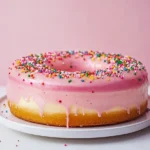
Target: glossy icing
{"x":100,"y":92}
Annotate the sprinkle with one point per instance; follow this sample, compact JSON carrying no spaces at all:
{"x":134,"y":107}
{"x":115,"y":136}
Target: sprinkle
{"x":60,"y":101}
{"x":23,"y":80}
{"x":93,"y":92}
{"x":31,"y":83}
{"x":6,"y":111}
{"x":69,"y":81}
{"x":98,"y":55}
{"x":122,"y":77}
{"x":65,"y":144}
{"x":43,"y":83}
{"x":72,"y":52}
{"x":125,"y":69}
{"x":119,"y":62}
{"x":118,"y":65}
{"x":86,"y":74}
{"x":92,"y":77}
{"x":18,"y":62}
{"x":60,"y":76}
{"x":93,"y":59}
{"x":82,"y":80}
{"x":139,"y":79}
{"x":132,"y":68}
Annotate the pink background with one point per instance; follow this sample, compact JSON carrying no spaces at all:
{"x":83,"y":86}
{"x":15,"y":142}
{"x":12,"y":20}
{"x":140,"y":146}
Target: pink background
{"x":42,"y":25}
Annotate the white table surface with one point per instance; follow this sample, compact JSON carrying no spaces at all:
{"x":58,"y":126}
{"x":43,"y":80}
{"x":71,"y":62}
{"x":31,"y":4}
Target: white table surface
{"x":135,"y":141}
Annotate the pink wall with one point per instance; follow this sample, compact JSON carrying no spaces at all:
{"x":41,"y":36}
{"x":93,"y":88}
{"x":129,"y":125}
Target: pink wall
{"x":41,"y":25}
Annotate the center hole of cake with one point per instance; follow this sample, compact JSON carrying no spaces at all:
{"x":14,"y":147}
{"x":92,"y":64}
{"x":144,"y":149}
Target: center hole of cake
{"x":71,"y":66}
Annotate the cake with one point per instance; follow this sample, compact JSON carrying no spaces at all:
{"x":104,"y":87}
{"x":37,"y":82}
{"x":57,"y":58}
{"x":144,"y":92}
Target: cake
{"x":77,"y":88}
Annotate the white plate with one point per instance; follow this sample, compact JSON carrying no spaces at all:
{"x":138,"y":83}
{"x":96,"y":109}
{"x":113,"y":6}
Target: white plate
{"x":2,"y":92}
{"x":7,"y":119}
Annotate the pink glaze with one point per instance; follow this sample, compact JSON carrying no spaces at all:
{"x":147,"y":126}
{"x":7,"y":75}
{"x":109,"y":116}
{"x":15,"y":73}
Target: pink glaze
{"x":77,"y":86}
{"x":102,"y":84}
{"x":100,"y":94}
{"x":98,"y":101}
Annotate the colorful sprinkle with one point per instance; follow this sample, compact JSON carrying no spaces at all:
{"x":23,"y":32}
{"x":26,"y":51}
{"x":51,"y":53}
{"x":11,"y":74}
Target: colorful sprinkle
{"x":98,"y":55}
{"x":43,"y":63}
{"x":69,"y":81}
{"x":125,"y":69}
{"x":139,"y":79}
{"x":60,"y":101}
{"x":119,"y":62}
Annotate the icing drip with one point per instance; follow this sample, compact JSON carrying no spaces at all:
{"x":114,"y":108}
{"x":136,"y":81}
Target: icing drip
{"x":83,"y":113}
{"x":138,"y":108}
{"x":128,"y":110}
{"x":99,"y":114}
{"x":67,"y":117}
{"x":76,"y":111}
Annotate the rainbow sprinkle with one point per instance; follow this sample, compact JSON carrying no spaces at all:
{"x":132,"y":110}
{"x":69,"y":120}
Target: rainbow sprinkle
{"x":43,"y":64}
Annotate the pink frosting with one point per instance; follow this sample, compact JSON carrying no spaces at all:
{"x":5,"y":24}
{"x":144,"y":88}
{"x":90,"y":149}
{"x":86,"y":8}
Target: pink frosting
{"x":99,"y":95}
{"x":115,"y":83}
{"x":98,"y":101}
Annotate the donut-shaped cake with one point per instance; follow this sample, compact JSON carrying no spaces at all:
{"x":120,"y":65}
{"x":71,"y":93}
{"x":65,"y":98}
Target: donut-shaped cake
{"x":77,"y":88}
